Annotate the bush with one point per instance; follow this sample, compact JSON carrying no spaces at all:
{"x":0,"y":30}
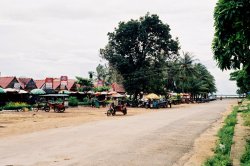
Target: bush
{"x":218,"y":160}
{"x":16,"y":106}
{"x":101,"y":89}
{"x":246,"y":116}
{"x":248,"y":97}
{"x":84,"y":103}
{"x":73,"y":101}
{"x":85,"y":99}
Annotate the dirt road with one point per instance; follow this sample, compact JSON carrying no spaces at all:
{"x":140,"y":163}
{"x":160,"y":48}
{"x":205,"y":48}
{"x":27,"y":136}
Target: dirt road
{"x":156,"y":138}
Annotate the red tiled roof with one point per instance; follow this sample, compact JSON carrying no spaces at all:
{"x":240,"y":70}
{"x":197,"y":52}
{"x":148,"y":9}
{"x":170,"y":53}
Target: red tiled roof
{"x":23,"y":81}
{"x":56,"y":83}
{"x":39,"y":83}
{"x":5,"y":81}
{"x":118,"y":88}
{"x":71,"y":83}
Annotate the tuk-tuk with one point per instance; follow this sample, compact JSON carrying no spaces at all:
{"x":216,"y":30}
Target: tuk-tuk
{"x":57,"y":102}
{"x":118,"y":104}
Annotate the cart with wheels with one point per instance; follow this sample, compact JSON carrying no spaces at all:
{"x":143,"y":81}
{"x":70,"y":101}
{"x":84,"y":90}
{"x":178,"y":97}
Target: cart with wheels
{"x":56,"y":102}
{"x":118,"y":105}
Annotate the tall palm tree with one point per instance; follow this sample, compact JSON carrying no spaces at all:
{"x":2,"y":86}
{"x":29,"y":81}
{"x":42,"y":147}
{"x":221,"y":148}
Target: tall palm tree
{"x":186,"y":71}
{"x":190,"y":77}
{"x":206,"y":80}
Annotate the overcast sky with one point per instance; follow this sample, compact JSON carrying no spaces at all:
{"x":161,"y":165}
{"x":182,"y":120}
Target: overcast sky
{"x":50,"y":38}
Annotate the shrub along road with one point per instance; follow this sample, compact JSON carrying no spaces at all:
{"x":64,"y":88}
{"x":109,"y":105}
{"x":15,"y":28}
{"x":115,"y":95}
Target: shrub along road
{"x":156,"y":138}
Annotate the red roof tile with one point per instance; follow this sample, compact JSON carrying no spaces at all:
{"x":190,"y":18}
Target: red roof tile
{"x":56,"y":83}
{"x":118,"y":88}
{"x":71,"y":83}
{"x":39,"y":83}
{"x":5,"y":81}
{"x":24,"y":81}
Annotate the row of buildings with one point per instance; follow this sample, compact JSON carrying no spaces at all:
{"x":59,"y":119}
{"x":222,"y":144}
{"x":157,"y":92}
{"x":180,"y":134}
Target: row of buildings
{"x":56,"y":84}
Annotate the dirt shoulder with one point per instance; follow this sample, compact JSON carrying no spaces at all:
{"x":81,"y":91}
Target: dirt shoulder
{"x":241,"y":134}
{"x":15,"y":123}
{"x":204,"y":145}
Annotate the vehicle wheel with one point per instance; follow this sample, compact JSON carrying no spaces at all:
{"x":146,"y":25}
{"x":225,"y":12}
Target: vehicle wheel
{"x":62,"y":110}
{"x":36,"y":109}
{"x":56,"y":109}
{"x":47,"y":109}
{"x":125,"y":111}
{"x":113,"y":113}
{"x":108,"y":113}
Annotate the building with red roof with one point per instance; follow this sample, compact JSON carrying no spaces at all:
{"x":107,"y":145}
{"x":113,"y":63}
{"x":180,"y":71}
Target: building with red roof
{"x":71,"y":85}
{"x":56,"y":84}
{"x":118,"y":88}
{"x":27,"y":83}
{"x":40,"y":84}
{"x":8,"y":82}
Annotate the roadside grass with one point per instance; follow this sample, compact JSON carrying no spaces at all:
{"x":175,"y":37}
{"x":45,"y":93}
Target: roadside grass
{"x":223,"y":147}
{"x":245,"y":158}
{"x":246,"y":115}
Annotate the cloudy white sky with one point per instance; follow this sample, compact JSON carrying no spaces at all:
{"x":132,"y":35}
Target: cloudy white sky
{"x":50,"y":38}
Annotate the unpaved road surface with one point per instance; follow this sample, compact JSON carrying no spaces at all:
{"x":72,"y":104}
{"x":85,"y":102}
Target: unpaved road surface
{"x":156,"y":138}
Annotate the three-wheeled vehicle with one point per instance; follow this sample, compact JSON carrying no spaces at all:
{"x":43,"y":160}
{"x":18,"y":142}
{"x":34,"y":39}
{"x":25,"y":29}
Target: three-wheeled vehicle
{"x":118,"y":104}
{"x":57,"y":102}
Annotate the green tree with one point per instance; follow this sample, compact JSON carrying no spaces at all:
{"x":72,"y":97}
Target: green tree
{"x":231,"y":43}
{"x":139,"y":50}
{"x":106,"y":73}
{"x":91,"y":75}
{"x":186,"y":71}
{"x":242,"y":80}
{"x":114,"y":76}
{"x":85,"y":84}
{"x":205,"y":81}
{"x":189,"y":77}
{"x":101,"y":72}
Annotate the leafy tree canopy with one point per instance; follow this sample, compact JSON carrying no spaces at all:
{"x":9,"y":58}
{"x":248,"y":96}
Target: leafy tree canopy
{"x":101,"y":89}
{"x":85,"y":84}
{"x":231,"y":45}
{"x":139,"y":50}
{"x":242,"y":80}
{"x":189,"y":77}
{"x":105,"y":73}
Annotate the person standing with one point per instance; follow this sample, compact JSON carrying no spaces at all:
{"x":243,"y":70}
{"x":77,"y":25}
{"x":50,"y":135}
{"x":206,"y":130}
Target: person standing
{"x":116,"y":102}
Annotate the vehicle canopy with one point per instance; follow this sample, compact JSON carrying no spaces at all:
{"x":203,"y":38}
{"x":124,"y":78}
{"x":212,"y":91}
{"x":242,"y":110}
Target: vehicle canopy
{"x":56,"y":97}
